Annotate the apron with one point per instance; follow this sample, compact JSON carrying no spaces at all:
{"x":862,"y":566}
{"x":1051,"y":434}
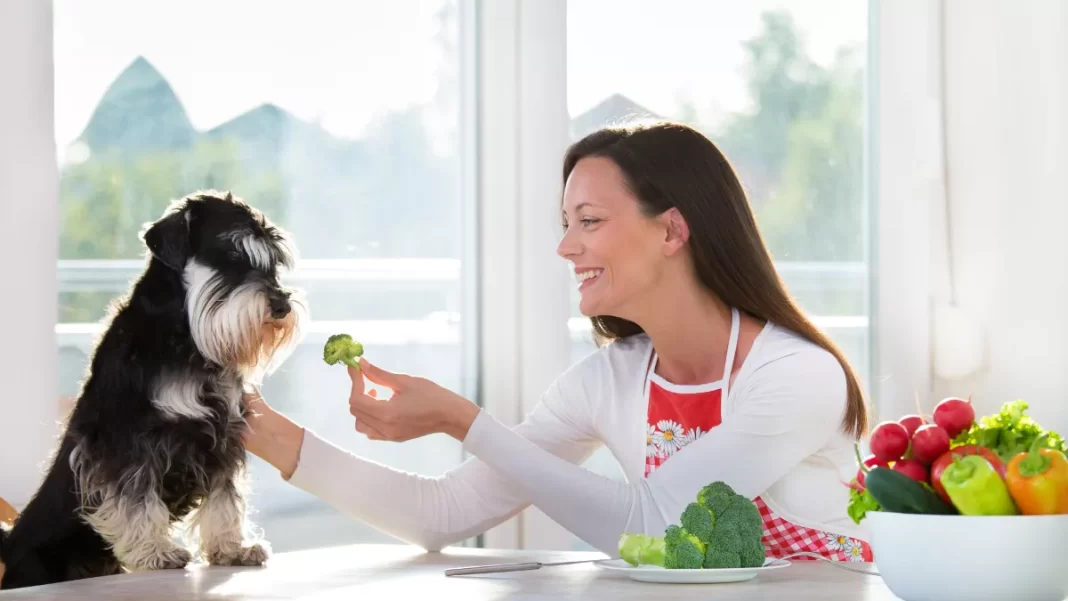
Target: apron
{"x":680,"y":414}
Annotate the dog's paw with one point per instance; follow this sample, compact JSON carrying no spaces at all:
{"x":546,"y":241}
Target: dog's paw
{"x":166,"y":559}
{"x":250,"y":555}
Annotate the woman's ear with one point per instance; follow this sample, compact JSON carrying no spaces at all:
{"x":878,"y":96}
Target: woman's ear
{"x":677,"y":231}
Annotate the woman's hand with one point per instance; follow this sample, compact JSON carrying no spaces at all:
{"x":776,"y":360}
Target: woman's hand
{"x":418,"y":407}
{"x":271,"y":436}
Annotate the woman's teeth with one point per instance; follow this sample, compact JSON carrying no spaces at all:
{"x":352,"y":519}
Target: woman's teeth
{"x":587,"y":275}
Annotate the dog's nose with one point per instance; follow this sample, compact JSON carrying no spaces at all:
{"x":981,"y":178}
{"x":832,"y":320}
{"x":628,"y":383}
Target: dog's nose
{"x":279,"y":307}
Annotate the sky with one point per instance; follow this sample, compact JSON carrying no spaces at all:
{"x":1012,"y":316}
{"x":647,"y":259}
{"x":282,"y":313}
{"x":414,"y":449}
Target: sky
{"x":342,"y":62}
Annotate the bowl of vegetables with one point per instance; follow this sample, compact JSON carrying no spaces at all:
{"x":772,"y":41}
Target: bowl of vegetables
{"x":960,"y":509}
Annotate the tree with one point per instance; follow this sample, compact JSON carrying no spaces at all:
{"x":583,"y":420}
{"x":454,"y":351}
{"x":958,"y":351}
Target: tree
{"x":799,"y":149}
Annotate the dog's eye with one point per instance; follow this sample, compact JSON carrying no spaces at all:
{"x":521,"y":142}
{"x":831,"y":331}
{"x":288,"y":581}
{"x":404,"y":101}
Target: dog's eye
{"x":234,"y":255}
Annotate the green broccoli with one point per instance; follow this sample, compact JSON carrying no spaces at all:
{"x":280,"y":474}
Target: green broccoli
{"x":736,"y":538}
{"x":699,"y":521}
{"x":753,"y":554}
{"x":722,"y":530}
{"x":341,"y":347}
{"x":720,"y":559}
{"x":717,"y":497}
{"x":682,"y":550}
{"x":641,"y":549}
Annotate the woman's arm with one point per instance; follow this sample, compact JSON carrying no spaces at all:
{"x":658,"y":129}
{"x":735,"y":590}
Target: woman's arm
{"x":791,"y":408}
{"x":430,"y":512}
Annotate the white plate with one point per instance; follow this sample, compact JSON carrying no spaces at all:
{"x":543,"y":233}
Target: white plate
{"x":661,"y":575}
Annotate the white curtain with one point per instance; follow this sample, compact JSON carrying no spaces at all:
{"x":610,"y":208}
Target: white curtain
{"x":1006,"y":87}
{"x":28,"y":241}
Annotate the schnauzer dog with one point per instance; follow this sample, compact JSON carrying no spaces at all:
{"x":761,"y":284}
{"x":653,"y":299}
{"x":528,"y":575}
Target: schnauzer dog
{"x":156,"y":435}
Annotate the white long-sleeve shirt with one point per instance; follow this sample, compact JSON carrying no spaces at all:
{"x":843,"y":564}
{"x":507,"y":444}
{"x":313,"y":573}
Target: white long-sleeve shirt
{"x":780,"y":438}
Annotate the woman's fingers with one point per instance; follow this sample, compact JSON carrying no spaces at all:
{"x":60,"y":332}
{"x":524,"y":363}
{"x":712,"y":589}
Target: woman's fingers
{"x":357,"y":381}
{"x":363,"y":428}
{"x":371,"y":426}
{"x":380,"y":376}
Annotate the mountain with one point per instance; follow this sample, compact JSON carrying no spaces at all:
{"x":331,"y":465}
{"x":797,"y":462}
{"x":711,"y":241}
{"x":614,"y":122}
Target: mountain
{"x":139,"y":112}
{"x":614,"y":110}
{"x":386,"y":194}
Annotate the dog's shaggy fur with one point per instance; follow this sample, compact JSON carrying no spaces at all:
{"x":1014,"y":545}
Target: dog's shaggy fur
{"x":156,"y":435}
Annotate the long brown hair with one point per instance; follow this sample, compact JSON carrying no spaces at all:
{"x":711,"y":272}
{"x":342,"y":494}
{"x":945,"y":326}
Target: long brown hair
{"x":670,"y":165}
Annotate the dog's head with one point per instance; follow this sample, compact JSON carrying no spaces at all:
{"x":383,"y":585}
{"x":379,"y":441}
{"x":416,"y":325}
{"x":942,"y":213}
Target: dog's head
{"x":230,"y":257}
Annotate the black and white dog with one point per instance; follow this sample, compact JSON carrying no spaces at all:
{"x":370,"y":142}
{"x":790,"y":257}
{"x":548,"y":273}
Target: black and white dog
{"x":156,"y":435}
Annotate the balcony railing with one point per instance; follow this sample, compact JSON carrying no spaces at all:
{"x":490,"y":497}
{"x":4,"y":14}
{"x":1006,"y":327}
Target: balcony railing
{"x":114,"y":277}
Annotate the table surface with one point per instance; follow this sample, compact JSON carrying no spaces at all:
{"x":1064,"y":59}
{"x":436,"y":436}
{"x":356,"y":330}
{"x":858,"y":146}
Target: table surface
{"x":395,"y":571}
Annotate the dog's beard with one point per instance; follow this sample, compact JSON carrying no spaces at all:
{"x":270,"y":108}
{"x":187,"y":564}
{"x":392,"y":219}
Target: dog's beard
{"x":234,"y":329}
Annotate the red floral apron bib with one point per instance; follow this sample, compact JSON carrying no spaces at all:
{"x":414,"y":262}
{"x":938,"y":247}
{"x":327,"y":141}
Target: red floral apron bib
{"x":679,"y":415}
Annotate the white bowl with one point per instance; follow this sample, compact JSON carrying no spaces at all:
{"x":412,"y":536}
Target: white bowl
{"x":970,"y":558}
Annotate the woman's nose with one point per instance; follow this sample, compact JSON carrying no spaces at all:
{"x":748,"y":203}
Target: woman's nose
{"x":568,"y":247}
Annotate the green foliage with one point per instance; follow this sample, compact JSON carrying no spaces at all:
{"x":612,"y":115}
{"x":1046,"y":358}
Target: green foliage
{"x":799,"y":149}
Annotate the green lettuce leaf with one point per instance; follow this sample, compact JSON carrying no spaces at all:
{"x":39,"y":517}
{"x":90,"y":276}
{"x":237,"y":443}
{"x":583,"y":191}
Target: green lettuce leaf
{"x":860,"y":503}
{"x":1008,"y":432}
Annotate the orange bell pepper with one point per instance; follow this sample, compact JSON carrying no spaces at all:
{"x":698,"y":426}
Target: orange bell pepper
{"x":1038,"y":480}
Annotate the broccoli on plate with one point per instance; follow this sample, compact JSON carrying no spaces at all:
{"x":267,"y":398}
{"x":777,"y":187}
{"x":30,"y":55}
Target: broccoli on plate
{"x":341,"y":347}
{"x":735,"y":539}
{"x":682,"y":549}
{"x":641,"y":549}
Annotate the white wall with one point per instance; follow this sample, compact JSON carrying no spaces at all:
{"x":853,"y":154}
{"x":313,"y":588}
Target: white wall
{"x":1007,"y":92}
{"x":28,"y":213}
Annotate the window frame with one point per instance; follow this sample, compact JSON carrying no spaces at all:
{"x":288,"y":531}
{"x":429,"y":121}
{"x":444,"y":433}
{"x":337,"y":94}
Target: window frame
{"x":515,"y":122}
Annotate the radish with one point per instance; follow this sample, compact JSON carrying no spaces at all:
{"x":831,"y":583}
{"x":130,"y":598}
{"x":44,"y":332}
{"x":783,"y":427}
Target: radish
{"x":911,"y":468}
{"x":929,"y":443}
{"x":889,"y":441}
{"x":911,"y":423}
{"x":869,"y":462}
{"x":954,"y":415}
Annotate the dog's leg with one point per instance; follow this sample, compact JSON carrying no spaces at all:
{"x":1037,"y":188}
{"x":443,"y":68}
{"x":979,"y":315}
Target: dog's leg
{"x":137,"y":524}
{"x":221,"y":522}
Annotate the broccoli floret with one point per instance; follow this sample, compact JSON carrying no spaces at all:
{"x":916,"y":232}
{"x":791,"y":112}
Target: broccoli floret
{"x":682,"y":550}
{"x":744,"y":516}
{"x":641,"y":549}
{"x":719,"y":559}
{"x":738,"y":529}
{"x":753,"y":554}
{"x":726,"y":536}
{"x":673,"y":534}
{"x":341,"y":347}
{"x":717,"y":497}
{"x":699,"y":521}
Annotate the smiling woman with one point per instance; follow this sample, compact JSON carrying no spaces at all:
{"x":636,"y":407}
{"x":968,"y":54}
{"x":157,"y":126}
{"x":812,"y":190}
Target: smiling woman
{"x":780,"y":88}
{"x":706,"y":345}
{"x":608,"y":225}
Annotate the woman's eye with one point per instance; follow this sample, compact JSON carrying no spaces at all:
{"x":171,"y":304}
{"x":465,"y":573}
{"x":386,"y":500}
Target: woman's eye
{"x":588,"y":222}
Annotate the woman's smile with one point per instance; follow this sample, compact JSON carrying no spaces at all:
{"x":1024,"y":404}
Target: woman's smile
{"x":587,"y":276}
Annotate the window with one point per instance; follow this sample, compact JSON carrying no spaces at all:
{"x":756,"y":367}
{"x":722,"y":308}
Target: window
{"x":780,"y":88}
{"x":343,"y":122}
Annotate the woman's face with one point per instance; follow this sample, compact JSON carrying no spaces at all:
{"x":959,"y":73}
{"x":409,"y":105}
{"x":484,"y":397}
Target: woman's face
{"x":616,"y":250}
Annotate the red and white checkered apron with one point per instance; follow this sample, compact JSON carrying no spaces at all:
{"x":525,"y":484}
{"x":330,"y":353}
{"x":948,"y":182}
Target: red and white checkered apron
{"x":679,"y":415}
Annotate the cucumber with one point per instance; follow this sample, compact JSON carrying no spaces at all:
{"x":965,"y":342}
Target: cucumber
{"x":897,"y":493}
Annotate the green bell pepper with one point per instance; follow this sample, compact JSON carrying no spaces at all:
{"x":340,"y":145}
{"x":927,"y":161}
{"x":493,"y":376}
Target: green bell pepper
{"x":976,"y":488}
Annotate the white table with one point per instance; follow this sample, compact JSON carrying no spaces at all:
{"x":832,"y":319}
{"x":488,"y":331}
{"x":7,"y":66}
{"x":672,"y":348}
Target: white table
{"x":393,"y":572}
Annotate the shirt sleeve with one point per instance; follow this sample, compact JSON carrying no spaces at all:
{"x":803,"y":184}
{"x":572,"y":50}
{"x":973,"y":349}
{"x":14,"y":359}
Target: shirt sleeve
{"x":789,"y":408}
{"x":434,"y":512}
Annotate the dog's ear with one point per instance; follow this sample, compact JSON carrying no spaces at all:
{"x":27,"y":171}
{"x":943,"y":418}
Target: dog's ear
{"x":168,"y":239}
